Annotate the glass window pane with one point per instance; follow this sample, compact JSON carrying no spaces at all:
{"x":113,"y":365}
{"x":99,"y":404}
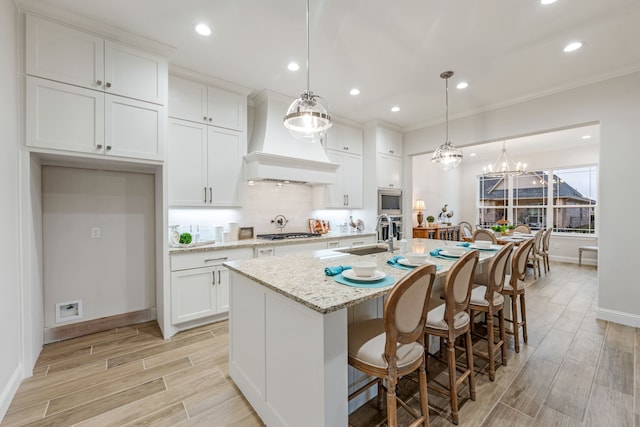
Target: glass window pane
{"x":489,"y":216}
{"x":574,"y":219}
{"x":530,"y":189}
{"x":575,"y":186}
{"x":534,"y":217}
{"x":493,"y":191}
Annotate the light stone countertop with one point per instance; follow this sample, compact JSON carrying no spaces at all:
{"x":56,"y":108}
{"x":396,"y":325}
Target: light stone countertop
{"x":302,"y":279}
{"x":252,"y":243}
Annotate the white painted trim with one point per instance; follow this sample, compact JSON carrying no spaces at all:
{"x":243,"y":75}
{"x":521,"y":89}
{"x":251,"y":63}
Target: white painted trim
{"x":574,"y":260}
{"x":618,"y":317}
{"x":8,"y":393}
{"x":185,"y":73}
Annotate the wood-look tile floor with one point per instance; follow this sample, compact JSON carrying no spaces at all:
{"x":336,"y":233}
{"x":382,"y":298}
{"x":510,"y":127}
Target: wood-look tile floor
{"x":575,"y":371}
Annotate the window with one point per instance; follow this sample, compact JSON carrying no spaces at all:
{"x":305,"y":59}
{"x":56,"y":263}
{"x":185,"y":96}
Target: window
{"x":564,"y":199}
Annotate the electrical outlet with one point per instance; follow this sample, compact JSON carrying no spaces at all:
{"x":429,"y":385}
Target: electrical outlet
{"x":95,"y":232}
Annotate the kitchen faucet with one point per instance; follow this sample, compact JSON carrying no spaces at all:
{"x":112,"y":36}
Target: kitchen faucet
{"x":389,"y":239}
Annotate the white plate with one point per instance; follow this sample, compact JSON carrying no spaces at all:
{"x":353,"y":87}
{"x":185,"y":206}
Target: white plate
{"x":377,"y":275}
{"x":490,"y":248}
{"x":449,"y":254}
{"x":406,"y":262}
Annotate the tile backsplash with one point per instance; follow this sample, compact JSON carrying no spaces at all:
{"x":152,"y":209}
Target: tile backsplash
{"x":261,"y":203}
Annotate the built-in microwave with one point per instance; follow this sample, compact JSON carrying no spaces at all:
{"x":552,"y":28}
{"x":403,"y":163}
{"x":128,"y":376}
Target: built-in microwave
{"x":390,"y":202}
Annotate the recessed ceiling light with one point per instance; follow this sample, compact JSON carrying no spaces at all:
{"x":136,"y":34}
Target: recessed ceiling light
{"x":586,"y":136}
{"x":354,"y":91}
{"x":546,"y":2}
{"x":293,"y":66}
{"x":572,"y":46}
{"x":395,"y":109}
{"x":472,"y":155}
{"x":203,"y":30}
{"x":462,"y":85}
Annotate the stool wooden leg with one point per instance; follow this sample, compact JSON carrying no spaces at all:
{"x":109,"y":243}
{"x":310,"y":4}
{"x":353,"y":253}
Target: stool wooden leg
{"x":503,"y":337}
{"x":392,"y":414}
{"x":424,"y":400}
{"x":472,"y":377}
{"x":490,"y":353}
{"x":516,"y":326}
{"x":453,"y":390}
{"x":523,"y":316}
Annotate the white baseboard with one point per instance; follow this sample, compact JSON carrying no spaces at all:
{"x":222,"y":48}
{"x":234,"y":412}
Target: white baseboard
{"x":10,"y":389}
{"x":574,"y":260}
{"x":620,"y":317}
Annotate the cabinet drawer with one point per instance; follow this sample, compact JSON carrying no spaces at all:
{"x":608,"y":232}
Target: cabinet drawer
{"x":208,"y":258}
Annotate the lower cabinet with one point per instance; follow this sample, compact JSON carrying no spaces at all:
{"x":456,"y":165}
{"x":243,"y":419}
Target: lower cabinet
{"x":351,"y":241}
{"x":200,"y":283}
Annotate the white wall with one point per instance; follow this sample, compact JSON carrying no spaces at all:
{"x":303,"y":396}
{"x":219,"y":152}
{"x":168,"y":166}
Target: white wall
{"x":11,"y":327}
{"x":113,"y":274}
{"x":615,"y":104}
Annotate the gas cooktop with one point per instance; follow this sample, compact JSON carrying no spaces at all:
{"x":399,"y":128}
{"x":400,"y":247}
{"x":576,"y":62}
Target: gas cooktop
{"x":283,"y":236}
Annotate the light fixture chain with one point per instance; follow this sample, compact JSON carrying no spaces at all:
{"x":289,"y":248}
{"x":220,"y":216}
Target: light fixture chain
{"x":446,"y":95}
{"x":308,"y":48}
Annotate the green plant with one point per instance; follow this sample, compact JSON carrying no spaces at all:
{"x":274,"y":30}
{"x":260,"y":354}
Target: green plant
{"x":499,"y":228}
{"x":431,"y":218}
{"x":185,"y":238}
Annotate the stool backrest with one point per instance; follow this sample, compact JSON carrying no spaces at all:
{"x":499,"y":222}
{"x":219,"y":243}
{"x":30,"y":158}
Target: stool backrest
{"x":457,"y":285}
{"x":519,"y":261}
{"x":497,"y":270}
{"x":484,"y":235}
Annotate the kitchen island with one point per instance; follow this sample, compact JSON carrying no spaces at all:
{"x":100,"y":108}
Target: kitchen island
{"x":288,"y":332}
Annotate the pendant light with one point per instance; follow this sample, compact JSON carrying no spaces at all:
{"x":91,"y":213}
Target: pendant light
{"x":307,"y":117}
{"x":447,"y":155}
{"x":505,"y":165}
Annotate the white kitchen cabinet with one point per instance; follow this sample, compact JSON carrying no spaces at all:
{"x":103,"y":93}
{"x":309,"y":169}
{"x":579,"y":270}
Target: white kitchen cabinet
{"x":204,"y":164}
{"x":306,"y":248}
{"x":389,"y":170}
{"x":347,"y":191}
{"x":264,"y":251}
{"x":200,"y":103}
{"x":344,"y":138}
{"x":200,"y":283}
{"x":388,"y":141}
{"x":69,"y":55}
{"x":351,"y":242}
{"x":71,"y":118}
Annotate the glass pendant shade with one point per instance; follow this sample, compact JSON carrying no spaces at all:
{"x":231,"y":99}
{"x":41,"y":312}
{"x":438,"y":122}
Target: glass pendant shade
{"x":505,"y":166}
{"x":307,"y":118}
{"x":447,"y":155}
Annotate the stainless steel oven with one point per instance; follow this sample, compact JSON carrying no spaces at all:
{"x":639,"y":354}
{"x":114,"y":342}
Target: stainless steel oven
{"x":390,"y":202}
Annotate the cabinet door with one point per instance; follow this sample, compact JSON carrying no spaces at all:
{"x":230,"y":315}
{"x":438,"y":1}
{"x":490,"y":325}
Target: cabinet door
{"x":193,"y":294}
{"x":335,"y":195}
{"x":353,"y":179}
{"x":225,"y":151}
{"x":187,"y":100}
{"x":64,"y":117}
{"x":133,"y":128}
{"x":389,"y":170}
{"x":222,"y":290}
{"x":67,"y":55}
{"x":344,"y":138}
{"x":226,"y":109}
{"x":389,"y":142}
{"x":134,"y":73}
{"x":187,"y":164}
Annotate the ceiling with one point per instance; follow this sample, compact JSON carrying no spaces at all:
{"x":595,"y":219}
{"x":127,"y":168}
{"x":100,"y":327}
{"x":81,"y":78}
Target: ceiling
{"x":393,"y":51}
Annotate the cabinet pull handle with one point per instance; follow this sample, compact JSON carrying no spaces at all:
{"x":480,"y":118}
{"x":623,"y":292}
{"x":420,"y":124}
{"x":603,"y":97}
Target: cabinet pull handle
{"x":391,"y":151}
{"x":210,"y":118}
{"x":347,"y":200}
{"x":210,"y":194}
{"x":108,"y":147}
{"x":333,"y":243}
{"x":108,"y":84}
{"x":205,"y":194}
{"x":99,"y":82}
{"x":357,"y":243}
{"x":204,"y":118}
{"x":213,"y":278}
{"x":345,"y":148}
{"x":390,"y":185}
{"x":265,"y":251}
{"x":224,"y":258}
{"x":219,"y":280}
{"x":99,"y":146}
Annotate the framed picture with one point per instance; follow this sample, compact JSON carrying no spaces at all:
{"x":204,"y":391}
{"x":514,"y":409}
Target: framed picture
{"x":245,"y":233}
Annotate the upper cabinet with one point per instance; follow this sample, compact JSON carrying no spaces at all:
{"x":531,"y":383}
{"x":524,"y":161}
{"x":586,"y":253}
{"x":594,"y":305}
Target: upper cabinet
{"x":200,"y":103}
{"x":388,"y":158}
{"x":344,"y":138}
{"x":90,"y":96}
{"x":68,"y":55}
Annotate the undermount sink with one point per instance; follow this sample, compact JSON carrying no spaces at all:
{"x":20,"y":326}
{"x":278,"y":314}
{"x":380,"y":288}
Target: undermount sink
{"x":364,"y":251}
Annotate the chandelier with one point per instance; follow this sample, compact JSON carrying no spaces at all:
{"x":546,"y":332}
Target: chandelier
{"x":505,"y":165}
{"x":447,"y":155}
{"x":307,"y":117}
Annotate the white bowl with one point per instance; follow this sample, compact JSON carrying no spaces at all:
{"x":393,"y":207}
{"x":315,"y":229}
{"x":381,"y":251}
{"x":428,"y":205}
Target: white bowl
{"x":484,"y":244}
{"x":416,"y":258}
{"x":455,"y":250}
{"x":364,"y":268}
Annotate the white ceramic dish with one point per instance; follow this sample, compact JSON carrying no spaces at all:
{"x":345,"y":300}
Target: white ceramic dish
{"x":364,"y":268}
{"x":490,"y":248}
{"x":415,"y":258}
{"x":456,"y":250}
{"x":449,"y":254}
{"x":482,"y":244}
{"x":405,"y":262}
{"x":377,"y":275}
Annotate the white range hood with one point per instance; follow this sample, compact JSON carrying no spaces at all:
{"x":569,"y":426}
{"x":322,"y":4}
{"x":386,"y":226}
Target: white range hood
{"x":276,"y":155}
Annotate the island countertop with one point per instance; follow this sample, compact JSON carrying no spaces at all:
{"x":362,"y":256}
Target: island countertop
{"x":302,"y":279}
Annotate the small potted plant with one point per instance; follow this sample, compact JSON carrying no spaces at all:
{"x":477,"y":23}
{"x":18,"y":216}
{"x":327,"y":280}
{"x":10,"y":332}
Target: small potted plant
{"x":431,"y":219}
